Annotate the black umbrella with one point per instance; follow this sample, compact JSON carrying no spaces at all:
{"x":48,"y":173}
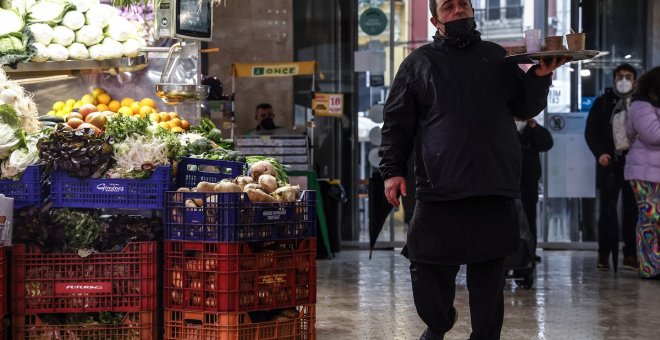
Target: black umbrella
{"x":612,"y":218}
{"x":379,"y":208}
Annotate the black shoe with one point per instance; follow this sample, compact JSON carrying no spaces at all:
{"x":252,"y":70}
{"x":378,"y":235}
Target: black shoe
{"x":537,"y":259}
{"x":603,"y":263}
{"x":630,"y":263}
{"x":429,"y":335}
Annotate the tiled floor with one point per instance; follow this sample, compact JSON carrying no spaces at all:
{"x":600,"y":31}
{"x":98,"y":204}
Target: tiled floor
{"x":364,"y":299}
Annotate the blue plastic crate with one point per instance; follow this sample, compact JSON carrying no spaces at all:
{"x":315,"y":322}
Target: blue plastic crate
{"x":191,"y":171}
{"x":71,"y":192}
{"x":31,"y":190}
{"x":231,"y":217}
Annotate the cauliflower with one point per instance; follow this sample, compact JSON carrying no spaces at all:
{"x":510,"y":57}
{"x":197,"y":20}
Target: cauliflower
{"x":58,"y":52}
{"x":42,"y":33}
{"x":42,"y":52}
{"x":97,"y":52}
{"x":113,"y":48}
{"x":99,"y":15}
{"x":74,"y":20}
{"x":131,"y":48}
{"x":84,"y":5}
{"x":120,"y":29}
{"x":78,"y":51}
{"x":89,"y":35}
{"x":62,"y":35}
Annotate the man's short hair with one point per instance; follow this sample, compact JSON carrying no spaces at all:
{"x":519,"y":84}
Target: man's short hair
{"x":433,"y":6}
{"x":264,"y":106}
{"x":625,"y":67}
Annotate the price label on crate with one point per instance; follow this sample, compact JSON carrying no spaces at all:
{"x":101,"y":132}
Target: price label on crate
{"x":328,"y":104}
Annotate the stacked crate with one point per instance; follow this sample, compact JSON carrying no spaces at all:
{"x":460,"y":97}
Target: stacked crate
{"x":55,"y":295}
{"x":236,"y":269}
{"x":3,"y":293}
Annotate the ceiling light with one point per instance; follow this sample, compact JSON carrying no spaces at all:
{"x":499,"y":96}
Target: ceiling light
{"x":628,"y":56}
{"x":585,"y":73}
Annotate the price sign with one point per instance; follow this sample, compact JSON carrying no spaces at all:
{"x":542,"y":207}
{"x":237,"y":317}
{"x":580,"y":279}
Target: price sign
{"x":328,"y":104}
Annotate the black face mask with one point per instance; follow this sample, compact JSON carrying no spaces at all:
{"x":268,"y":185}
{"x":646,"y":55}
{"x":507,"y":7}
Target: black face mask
{"x":268,"y":124}
{"x":459,"y":32}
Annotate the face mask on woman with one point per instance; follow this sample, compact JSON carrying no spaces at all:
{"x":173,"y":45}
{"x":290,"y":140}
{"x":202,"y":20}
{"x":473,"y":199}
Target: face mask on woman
{"x":520,"y":125}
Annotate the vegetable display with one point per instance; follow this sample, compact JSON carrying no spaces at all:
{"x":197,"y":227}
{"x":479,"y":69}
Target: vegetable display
{"x":78,"y":152}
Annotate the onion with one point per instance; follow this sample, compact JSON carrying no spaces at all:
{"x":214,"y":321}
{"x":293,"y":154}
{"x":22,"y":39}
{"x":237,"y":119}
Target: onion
{"x":227,"y":186}
{"x":242,"y":181}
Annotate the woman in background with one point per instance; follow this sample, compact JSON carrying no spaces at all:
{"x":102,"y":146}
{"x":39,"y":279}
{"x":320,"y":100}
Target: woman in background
{"x":643,"y":170}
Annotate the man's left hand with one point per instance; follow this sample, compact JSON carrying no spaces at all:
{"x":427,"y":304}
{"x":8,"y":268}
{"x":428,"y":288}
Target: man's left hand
{"x":547,"y":66}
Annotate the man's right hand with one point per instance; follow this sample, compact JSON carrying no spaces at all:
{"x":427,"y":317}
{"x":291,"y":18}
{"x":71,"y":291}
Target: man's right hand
{"x":393,"y":186}
{"x":604,"y":159}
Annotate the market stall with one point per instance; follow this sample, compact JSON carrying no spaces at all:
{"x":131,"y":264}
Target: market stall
{"x":103,"y":157}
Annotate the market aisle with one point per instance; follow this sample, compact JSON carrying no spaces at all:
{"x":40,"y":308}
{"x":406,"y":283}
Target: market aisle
{"x":362,"y":299}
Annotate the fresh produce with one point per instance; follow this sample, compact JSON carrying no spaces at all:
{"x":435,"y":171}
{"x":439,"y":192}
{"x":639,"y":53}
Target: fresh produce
{"x":12,"y":22}
{"x":11,"y":136}
{"x":21,"y":101}
{"x":77,"y":51}
{"x":42,"y":33}
{"x":138,"y":155}
{"x":120,"y":128}
{"x":63,"y":35}
{"x":100,"y":15}
{"x":74,"y":20}
{"x":120,"y":29}
{"x":260,"y":165}
{"x":41,"y":53}
{"x":57,"y":52}
{"x":81,"y":229}
{"x":78,"y":152}
{"x":89,"y":35}
{"x":48,"y":12}
{"x":14,"y":166}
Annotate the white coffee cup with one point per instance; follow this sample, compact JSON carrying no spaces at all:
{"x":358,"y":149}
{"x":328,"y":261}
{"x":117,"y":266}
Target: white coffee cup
{"x":533,"y":40}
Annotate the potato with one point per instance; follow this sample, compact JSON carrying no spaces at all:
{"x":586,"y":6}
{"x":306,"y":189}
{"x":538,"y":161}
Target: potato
{"x":227,"y":186}
{"x":183,"y":189}
{"x":268,"y":183}
{"x":285,"y":194}
{"x":190,"y":204}
{"x":259,"y":196}
{"x":242,"y":181}
{"x":205,"y":187}
{"x":262,"y":168}
{"x":252,"y":186}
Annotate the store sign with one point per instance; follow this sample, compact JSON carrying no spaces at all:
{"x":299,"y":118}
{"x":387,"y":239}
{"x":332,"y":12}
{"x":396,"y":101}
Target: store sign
{"x":275,"y":71}
{"x":328,"y":104}
{"x":373,"y":21}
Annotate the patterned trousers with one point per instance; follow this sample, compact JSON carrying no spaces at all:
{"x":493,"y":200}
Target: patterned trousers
{"x":648,"y":229}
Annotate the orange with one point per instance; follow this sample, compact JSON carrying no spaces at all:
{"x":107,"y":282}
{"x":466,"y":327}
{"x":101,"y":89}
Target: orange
{"x":103,"y":98}
{"x":127,"y":102}
{"x":125,"y":111}
{"x":148,"y":102}
{"x":177,"y":129}
{"x":174,"y":115}
{"x":185,"y":124}
{"x":114,"y":105}
{"x":102,"y":107}
{"x":164,"y":125}
{"x":135,"y":107}
{"x":141,"y":115}
{"x":164,"y":116}
{"x":175,"y":122}
{"x":154,"y":117}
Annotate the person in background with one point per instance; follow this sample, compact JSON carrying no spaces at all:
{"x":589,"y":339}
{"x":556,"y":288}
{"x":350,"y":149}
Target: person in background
{"x":643,"y":170}
{"x":451,"y":105}
{"x":265,"y":118}
{"x":534,"y":139}
{"x":609,"y":170}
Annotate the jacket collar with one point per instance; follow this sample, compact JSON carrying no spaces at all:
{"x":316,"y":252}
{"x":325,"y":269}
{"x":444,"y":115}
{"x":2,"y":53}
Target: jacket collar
{"x":440,"y":40}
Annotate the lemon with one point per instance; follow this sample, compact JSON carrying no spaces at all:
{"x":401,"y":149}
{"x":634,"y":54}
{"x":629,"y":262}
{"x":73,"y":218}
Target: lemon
{"x":125,"y":111}
{"x":51,"y":113}
{"x":177,"y":129}
{"x":88,"y":99}
{"x":58,"y":105}
{"x":164,"y":125}
{"x":154,"y":117}
{"x":70,"y":102}
{"x":97,"y":92}
{"x":164,"y":116}
{"x":148,"y":102}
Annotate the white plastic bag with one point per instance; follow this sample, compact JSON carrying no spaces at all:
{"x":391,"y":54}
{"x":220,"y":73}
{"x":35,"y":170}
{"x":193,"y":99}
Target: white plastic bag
{"x":622,"y":141}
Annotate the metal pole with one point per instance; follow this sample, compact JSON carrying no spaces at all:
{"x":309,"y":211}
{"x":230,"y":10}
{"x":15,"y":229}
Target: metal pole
{"x":391,"y":41}
{"x":545,"y":154}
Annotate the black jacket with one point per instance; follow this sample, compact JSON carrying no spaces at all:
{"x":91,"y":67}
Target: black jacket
{"x":533,"y":140}
{"x":599,"y":136}
{"x":455,"y":108}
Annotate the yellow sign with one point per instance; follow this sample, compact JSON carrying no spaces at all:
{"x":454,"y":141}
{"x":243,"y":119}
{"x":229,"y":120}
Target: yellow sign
{"x":328,"y":104}
{"x":260,"y":70}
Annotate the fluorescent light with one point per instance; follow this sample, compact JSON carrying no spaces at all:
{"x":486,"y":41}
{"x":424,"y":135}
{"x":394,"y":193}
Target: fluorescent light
{"x":570,"y":69}
{"x":628,"y":56}
{"x":585,"y":73}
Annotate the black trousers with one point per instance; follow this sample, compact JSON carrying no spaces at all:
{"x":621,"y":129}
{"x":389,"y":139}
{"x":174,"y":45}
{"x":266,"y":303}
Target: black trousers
{"x":611,"y":183}
{"x":434,"y":289}
{"x":529,"y":199}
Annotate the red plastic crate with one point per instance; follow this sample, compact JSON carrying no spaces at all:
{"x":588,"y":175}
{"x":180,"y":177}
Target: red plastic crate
{"x":3,"y":287}
{"x":236,"y":277}
{"x":238,"y":326}
{"x":135,"y":325}
{"x":122,"y":281}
